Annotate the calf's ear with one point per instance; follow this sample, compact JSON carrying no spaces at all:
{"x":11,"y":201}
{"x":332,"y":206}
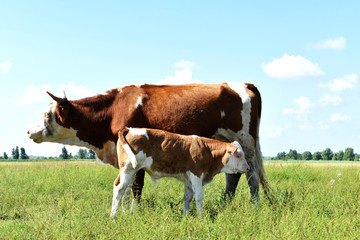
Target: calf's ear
{"x":232,"y":149}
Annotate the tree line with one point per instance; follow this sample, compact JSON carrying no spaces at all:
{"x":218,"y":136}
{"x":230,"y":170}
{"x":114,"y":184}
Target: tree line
{"x":327,"y":154}
{"x":20,"y":153}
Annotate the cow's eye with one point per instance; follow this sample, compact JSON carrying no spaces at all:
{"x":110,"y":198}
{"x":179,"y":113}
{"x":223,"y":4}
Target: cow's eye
{"x":46,"y":115}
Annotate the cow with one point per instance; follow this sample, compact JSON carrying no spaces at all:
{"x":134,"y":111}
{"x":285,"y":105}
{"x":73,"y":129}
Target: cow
{"x":227,"y":111}
{"x":191,"y":159}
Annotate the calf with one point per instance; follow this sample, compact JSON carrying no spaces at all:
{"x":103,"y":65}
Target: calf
{"x":191,"y":159}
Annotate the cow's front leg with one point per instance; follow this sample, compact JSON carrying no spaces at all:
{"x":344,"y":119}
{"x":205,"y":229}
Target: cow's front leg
{"x":121,"y":182}
{"x":188,"y":196}
{"x":197,"y":187}
{"x":231,"y":182}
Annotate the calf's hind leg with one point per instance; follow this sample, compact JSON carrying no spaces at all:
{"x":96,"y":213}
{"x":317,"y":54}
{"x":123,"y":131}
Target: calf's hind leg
{"x":121,"y":183}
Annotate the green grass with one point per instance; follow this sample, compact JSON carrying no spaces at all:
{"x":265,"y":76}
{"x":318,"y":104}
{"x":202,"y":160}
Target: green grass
{"x":72,"y":200}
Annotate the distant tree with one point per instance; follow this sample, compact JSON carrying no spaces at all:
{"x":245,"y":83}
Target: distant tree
{"x":15,"y":153}
{"x":71,"y":156}
{"x":281,"y":155}
{"x":23,"y":154}
{"x":64,"y":153}
{"x":338,"y":156}
{"x":92,"y":154}
{"x":356,"y":157}
{"x":317,"y":156}
{"x":306,"y":155}
{"x":292,"y":154}
{"x":5,"y":156}
{"x":327,"y":154}
{"x":82,"y":153}
{"x":299,"y":156}
{"x":349,"y":154}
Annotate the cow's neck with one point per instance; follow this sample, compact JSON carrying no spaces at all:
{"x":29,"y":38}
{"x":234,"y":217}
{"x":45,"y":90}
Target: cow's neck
{"x":92,"y":119}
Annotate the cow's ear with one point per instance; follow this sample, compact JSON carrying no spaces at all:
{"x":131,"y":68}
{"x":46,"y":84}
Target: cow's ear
{"x":232,"y":149}
{"x":62,"y":111}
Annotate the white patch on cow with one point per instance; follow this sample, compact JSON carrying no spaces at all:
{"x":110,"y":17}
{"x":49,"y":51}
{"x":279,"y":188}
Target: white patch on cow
{"x":194,"y":136}
{"x":120,"y":89}
{"x":106,"y":154}
{"x":222,"y":113}
{"x":139,"y":131}
{"x":230,"y":135}
{"x":240,"y":88}
{"x":138,"y":102}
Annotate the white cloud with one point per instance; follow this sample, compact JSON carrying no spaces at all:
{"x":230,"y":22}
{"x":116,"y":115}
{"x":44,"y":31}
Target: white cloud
{"x":303,"y":104}
{"x":184,"y":64}
{"x":332,"y":43}
{"x":323,"y":125}
{"x":338,"y":117}
{"x":35,"y":94}
{"x":75,"y":91}
{"x":273,"y":130}
{"x":182,"y":76}
{"x":340,"y":84}
{"x":5,"y":67}
{"x":329,"y":99}
{"x":291,"y":67}
{"x":303,"y":107}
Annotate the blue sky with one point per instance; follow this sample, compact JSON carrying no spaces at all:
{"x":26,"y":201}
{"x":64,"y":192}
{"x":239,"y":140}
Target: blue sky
{"x":303,"y":57}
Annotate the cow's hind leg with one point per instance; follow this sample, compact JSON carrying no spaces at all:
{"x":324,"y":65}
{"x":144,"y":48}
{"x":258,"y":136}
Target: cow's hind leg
{"x":121,"y":182}
{"x":253,"y":182}
{"x":137,"y":187}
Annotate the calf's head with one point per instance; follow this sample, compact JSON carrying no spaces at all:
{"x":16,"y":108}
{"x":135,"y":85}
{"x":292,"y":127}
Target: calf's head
{"x":235,"y":162}
{"x":53,"y":127}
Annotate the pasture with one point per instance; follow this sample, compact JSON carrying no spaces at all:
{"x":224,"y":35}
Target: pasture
{"x":72,"y":200}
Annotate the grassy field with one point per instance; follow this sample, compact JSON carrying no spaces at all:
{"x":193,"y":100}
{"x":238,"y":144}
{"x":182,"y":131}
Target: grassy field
{"x":72,"y":200}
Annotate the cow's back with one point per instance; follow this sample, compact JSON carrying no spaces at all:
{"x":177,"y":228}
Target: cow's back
{"x":198,"y":109}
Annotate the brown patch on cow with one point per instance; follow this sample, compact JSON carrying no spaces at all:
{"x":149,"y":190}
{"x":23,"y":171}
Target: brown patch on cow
{"x":194,"y":108}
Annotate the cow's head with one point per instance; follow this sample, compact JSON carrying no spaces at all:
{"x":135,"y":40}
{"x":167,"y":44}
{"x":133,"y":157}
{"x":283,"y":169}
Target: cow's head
{"x":235,"y":162}
{"x":54,"y":127}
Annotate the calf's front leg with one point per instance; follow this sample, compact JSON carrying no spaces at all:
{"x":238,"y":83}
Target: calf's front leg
{"x":188,"y":196}
{"x":197,"y":187}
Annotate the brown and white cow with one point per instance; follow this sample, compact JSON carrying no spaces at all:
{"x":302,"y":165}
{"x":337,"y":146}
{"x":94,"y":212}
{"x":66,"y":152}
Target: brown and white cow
{"x":191,"y":159}
{"x":226,"y":111}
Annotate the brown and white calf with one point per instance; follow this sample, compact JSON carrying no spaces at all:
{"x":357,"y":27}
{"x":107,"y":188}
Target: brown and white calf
{"x":191,"y":159}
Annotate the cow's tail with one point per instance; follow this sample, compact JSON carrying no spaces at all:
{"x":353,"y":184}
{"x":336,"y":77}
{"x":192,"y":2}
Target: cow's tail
{"x":262,"y":176}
